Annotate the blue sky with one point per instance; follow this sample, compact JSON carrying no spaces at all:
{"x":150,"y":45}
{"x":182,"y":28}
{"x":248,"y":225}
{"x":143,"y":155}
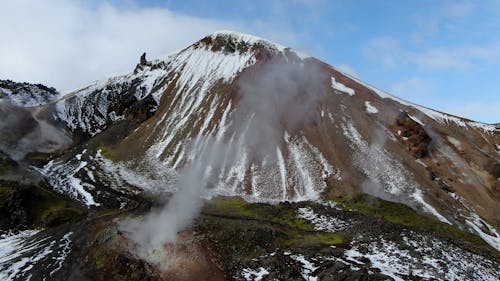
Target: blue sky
{"x":440,"y":54}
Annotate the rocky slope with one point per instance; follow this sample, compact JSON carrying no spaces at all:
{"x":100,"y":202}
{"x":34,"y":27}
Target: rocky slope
{"x":270,"y":125}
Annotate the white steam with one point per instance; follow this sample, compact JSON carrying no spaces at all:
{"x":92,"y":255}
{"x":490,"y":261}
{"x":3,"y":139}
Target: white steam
{"x":274,"y":97}
{"x":23,"y":131}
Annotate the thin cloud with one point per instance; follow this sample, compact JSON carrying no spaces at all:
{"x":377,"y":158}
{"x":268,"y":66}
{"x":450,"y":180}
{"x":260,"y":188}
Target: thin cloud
{"x":67,"y":43}
{"x":391,"y":54}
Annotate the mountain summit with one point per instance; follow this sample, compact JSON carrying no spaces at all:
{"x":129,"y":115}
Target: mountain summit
{"x":238,"y":116}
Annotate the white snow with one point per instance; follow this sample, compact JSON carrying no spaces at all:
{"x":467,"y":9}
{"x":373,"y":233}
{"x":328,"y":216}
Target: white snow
{"x":384,"y":171}
{"x":63,"y":176}
{"x":323,"y":222}
{"x":436,"y":115}
{"x":418,"y":196}
{"x":307,"y":267}
{"x":20,"y":252}
{"x":282,"y":168}
{"x":254,"y":275}
{"x":341,"y":87}
{"x":419,"y":161}
{"x":429,"y":258}
{"x":416,"y":119}
{"x":64,"y":250}
{"x":27,"y":95}
{"x":250,"y":39}
{"x":370,"y":108}
{"x":492,"y":238}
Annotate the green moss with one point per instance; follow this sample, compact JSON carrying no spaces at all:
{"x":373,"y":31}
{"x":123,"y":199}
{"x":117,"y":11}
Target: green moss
{"x":404,"y":215}
{"x":43,"y":207}
{"x":283,"y":214}
{"x":301,"y":239}
{"x":248,"y":227}
{"x":107,"y":153}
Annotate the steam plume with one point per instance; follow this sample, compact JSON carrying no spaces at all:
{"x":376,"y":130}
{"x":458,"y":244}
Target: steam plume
{"x":273,"y":97}
{"x":22,"y":132}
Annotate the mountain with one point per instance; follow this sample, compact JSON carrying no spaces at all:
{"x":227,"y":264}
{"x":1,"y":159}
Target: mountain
{"x":338,"y":176}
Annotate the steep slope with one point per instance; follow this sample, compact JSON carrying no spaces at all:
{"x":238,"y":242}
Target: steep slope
{"x":25,"y":94}
{"x":237,"y":115}
{"x":281,"y":126}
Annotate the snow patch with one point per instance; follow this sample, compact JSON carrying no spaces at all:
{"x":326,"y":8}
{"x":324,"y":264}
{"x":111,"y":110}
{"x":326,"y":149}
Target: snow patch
{"x":429,"y":258}
{"x":370,"y":108}
{"x":418,"y":196}
{"x":416,"y":119}
{"x":492,"y":238}
{"x":341,"y":87}
{"x":20,"y":252}
{"x":307,"y":267}
{"x":63,"y":177}
{"x":323,"y":222}
{"x":254,"y":275}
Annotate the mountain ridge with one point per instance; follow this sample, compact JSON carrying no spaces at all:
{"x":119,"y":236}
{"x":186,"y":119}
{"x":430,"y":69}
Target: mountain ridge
{"x":235,"y":115}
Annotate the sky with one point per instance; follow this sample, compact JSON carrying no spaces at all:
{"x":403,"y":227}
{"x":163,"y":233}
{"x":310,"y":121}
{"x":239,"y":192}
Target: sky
{"x":440,"y":54}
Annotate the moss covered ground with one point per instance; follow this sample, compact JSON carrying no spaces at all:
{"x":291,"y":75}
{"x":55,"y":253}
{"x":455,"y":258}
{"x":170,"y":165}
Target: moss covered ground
{"x":406,"y":216}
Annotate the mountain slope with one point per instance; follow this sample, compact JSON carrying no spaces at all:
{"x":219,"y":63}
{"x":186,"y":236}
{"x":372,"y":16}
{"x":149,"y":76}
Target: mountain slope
{"x":327,"y":135}
{"x":242,"y":116}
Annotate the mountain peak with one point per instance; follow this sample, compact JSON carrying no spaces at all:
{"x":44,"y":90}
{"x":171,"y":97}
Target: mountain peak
{"x":231,"y":42}
{"x":244,"y":37}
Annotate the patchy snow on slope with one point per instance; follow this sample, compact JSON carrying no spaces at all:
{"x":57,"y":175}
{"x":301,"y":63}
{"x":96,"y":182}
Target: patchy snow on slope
{"x":63,"y":177}
{"x":197,"y":65}
{"x":254,"y":275}
{"x":20,"y":252}
{"x":282,"y":168}
{"x":370,"y":108}
{"x":429,"y":258}
{"x":151,"y":174}
{"x":25,"y":94}
{"x":307,"y":267}
{"x":247,"y":38}
{"x":339,"y":87}
{"x":306,"y":183}
{"x":323,"y":222}
{"x":384,"y":171}
{"x":64,"y":249}
{"x":436,"y":115}
{"x":477,"y":224}
{"x":418,"y":196}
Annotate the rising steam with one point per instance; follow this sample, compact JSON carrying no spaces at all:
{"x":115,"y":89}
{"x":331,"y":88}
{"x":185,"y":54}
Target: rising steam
{"x":23,"y":131}
{"x":273,"y":97}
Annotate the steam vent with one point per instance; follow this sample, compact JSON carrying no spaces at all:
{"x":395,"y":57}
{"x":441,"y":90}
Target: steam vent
{"x":237,"y":158}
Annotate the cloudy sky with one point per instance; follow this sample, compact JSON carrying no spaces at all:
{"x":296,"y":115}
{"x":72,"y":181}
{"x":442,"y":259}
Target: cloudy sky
{"x":441,"y":54}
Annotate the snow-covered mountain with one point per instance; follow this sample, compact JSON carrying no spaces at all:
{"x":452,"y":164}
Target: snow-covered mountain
{"x":269,"y":124}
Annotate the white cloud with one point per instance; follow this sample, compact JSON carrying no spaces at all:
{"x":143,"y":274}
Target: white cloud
{"x":390,"y":53}
{"x":66,"y":43}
